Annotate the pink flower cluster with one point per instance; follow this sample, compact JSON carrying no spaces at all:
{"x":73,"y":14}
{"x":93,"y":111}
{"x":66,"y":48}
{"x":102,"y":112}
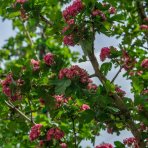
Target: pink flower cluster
{"x":131,"y":141}
{"x":106,"y":145}
{"x":73,"y":72}
{"x":144,"y":63}
{"x":35,"y":132}
{"x":143,"y":127}
{"x":35,"y":64}
{"x":100,"y":13}
{"x":145,"y":91}
{"x":138,"y":73}
{"x":120,"y":91}
{"x":63,"y":145}
{"x":128,"y":62}
{"x":60,"y":99}
{"x":91,"y":86}
{"x":21,"y":1}
{"x":54,"y":133}
{"x":73,"y":10}
{"x":112,"y":10}
{"x":69,"y":13}
{"x":5,"y":85}
{"x":144,"y":27}
{"x":7,"y":89}
{"x":105,"y":53}
{"x":49,"y":59}
{"x":85,"y":107}
{"x":69,"y":40}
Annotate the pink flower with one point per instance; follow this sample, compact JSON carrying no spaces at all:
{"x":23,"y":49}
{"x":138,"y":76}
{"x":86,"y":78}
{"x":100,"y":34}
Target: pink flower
{"x":15,"y":97}
{"x":6,"y":85}
{"x":49,"y":59}
{"x":58,"y":134}
{"x":35,"y":64}
{"x":130,"y":141}
{"x":65,"y":29}
{"x":96,"y":12}
{"x":91,"y":86}
{"x":112,"y":10}
{"x":145,"y":91}
{"x":73,"y":10}
{"x":35,"y":132}
{"x":50,"y":134}
{"x":128,"y":62}
{"x":139,"y":73}
{"x":41,"y":143}
{"x":71,"y":22}
{"x":110,"y":130}
{"x":20,"y":82}
{"x":63,"y":145}
{"x":120,"y":91}
{"x":73,"y":72}
{"x":100,"y":13}
{"x":144,"y":63}
{"x":105,"y":53}
{"x":85,"y":107}
{"x":68,"y":40}
{"x":21,"y":1}
{"x":106,"y":145}
{"x":55,"y":133}
{"x":7,"y":81}
{"x":144,"y":27}
{"x":104,"y":4}
{"x":42,"y":101}
{"x":146,"y":19}
{"x":6,"y":90}
{"x":59,"y":98}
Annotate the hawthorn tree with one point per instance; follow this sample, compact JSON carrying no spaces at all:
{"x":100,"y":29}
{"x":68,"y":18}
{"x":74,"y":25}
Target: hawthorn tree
{"x":46,"y":101}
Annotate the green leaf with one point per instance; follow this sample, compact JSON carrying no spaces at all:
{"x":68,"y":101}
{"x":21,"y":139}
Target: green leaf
{"x":145,"y":76}
{"x":119,"y":125}
{"x":113,"y":109}
{"x":83,"y":59}
{"x":118,"y":144}
{"x":106,"y":67}
{"x":107,"y":25}
{"x":109,"y":86}
{"x":61,"y":86}
{"x":137,"y":84}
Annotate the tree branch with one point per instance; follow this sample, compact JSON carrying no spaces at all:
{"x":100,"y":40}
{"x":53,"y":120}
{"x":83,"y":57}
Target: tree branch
{"x":116,"y":75}
{"x":116,"y":98}
{"x":9,"y":104}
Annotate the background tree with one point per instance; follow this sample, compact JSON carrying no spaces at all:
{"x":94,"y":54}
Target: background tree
{"x":58,"y":103}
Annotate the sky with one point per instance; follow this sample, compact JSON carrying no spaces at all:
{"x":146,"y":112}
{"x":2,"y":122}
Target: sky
{"x":101,"y":41}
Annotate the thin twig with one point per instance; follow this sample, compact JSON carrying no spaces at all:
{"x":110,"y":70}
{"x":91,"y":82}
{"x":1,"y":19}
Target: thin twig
{"x":116,"y":74}
{"x":74,"y":132}
{"x":45,"y":20}
{"x":9,"y":104}
{"x":30,"y":110}
{"x":93,"y":75}
{"x":28,"y":35}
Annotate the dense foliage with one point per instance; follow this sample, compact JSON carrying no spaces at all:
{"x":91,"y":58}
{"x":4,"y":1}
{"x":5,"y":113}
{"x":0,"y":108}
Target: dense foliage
{"x":48,"y":102}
